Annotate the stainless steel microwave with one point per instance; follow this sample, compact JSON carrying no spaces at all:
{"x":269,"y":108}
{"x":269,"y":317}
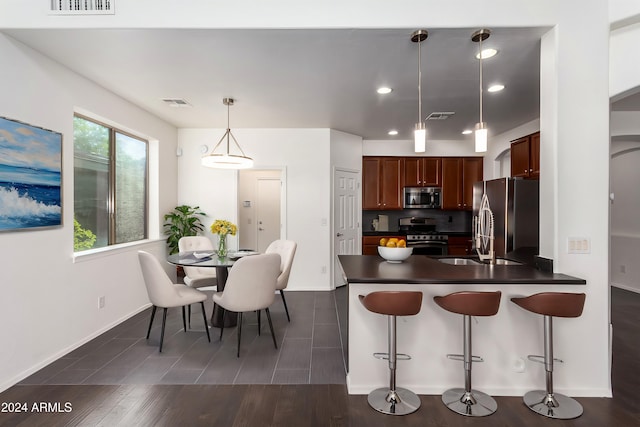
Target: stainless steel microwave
{"x":422,"y":197}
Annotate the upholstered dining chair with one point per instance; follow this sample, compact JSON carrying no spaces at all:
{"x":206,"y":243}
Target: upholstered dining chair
{"x":165,"y":294}
{"x":286,"y":249}
{"x":197,"y":277}
{"x":251,"y":286}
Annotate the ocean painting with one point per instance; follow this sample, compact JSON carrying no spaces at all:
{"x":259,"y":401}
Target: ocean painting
{"x":30,"y":176}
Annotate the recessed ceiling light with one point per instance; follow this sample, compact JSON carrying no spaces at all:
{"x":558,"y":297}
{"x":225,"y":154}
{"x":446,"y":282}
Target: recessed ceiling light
{"x":393,"y":132}
{"x":384,"y":90}
{"x":495,"y":88}
{"x":467,"y":132}
{"x":487,"y":53}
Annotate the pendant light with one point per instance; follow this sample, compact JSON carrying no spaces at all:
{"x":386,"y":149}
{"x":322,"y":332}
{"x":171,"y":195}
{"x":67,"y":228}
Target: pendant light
{"x":481,"y":127}
{"x":227,"y":160}
{"x":420,"y":132}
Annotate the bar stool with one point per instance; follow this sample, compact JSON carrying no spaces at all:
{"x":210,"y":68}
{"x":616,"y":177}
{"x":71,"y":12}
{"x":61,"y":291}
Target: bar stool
{"x":392,"y":400}
{"x":466,"y":401}
{"x":550,"y":305}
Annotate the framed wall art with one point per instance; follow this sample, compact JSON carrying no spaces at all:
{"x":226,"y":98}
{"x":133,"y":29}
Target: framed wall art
{"x":30,"y":176}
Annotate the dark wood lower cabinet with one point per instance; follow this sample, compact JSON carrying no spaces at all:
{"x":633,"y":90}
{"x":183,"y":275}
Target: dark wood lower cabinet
{"x":460,"y":245}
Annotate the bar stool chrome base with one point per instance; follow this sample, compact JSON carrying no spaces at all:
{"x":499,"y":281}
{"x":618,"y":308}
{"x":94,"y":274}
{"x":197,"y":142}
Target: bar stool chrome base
{"x":554,"y":405}
{"x":400,"y":402}
{"x":473,"y":404}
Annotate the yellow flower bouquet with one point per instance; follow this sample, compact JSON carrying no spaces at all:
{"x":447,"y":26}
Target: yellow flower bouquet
{"x":222,"y":228}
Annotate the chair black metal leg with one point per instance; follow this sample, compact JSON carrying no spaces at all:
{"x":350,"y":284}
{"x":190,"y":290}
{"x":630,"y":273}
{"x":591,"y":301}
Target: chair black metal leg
{"x":286,"y":310}
{"x":189,"y":316}
{"x":153,"y":314}
{"x":259,"y":327}
{"x":273,"y":335}
{"x":184,"y":319}
{"x":164,"y":321}
{"x":204,"y":317}
{"x":224,"y":313}
{"x":239,"y":332}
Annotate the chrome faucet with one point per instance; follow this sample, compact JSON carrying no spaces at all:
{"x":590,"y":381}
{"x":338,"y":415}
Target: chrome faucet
{"x":484,"y":232}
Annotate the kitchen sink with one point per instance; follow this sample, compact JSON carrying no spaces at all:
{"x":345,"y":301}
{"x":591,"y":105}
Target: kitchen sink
{"x":459,"y":261}
{"x":501,"y":261}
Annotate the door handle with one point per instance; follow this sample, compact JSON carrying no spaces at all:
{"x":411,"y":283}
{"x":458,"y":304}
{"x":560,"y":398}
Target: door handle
{"x":260,"y":229}
{"x":339,"y":235}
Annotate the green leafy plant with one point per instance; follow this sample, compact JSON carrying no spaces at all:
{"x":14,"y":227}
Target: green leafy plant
{"x":82,"y":239}
{"x":184,"y":220}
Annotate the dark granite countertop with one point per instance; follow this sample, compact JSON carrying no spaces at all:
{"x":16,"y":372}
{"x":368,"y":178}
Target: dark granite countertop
{"x":404,"y":233}
{"x":384,"y":233}
{"x":422,"y":269}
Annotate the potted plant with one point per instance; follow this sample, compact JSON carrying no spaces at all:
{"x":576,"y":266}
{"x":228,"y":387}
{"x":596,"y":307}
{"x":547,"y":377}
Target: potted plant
{"x":184,"y":220}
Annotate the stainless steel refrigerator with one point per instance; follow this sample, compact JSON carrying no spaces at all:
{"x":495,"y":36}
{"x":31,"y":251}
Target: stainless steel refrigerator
{"x":515,"y":207}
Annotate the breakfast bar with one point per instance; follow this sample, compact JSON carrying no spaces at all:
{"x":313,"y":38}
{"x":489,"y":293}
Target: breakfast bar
{"x":503,"y":341}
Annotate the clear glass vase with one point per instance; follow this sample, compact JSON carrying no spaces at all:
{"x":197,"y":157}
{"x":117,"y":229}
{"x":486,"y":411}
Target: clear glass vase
{"x":222,"y":245}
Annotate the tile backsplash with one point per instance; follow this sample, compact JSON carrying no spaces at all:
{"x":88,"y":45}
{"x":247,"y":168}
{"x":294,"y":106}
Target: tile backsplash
{"x":446,"y":221}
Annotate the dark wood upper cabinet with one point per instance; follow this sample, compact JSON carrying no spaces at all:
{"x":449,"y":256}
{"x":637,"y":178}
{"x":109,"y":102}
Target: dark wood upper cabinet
{"x":458,"y":176}
{"x":422,"y":171}
{"x":525,"y":157}
{"x":382,"y":183}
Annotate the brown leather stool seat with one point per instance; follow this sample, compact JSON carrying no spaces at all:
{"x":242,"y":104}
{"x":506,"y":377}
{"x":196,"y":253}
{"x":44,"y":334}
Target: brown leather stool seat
{"x":466,"y":401}
{"x":393,"y":400}
{"x":550,"y":305}
{"x":471,"y":303}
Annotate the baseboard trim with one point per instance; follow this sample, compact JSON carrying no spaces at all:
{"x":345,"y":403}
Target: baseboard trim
{"x":24,"y":374}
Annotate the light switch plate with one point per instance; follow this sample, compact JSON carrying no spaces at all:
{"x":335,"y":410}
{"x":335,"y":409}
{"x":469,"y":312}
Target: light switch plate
{"x":578,"y":245}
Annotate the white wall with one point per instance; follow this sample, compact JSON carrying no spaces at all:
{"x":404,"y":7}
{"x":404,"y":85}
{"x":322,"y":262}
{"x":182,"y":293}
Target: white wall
{"x":304,"y":156}
{"x":49,"y":303}
{"x":404,"y":148}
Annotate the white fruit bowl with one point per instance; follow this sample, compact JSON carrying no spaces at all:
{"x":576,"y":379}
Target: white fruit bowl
{"x":394,"y":254}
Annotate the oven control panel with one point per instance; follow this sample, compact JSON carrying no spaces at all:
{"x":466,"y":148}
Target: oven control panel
{"x":427,"y":237}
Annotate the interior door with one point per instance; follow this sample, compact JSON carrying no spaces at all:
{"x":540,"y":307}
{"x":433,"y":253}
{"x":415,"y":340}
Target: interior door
{"x":345,"y":219}
{"x":268,"y":212}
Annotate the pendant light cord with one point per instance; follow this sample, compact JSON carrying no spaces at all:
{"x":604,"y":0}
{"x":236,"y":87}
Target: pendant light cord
{"x":419,"y":82}
{"x":229,"y":126}
{"x":480,"y":55}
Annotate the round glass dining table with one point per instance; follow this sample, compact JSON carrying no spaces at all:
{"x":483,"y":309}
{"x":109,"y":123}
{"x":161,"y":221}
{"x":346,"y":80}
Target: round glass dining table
{"x":188,"y":259}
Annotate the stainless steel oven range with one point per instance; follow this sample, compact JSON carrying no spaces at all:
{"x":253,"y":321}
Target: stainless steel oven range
{"x":423,"y":237}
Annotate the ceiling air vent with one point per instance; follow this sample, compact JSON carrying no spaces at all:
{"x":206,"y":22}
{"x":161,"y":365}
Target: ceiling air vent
{"x":176,"y":102}
{"x":82,"y":7}
{"x":440,"y":115}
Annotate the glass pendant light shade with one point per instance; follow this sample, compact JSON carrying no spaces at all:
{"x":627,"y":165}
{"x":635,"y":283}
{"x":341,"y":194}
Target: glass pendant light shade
{"x":481,"y":132}
{"x":420,"y":138}
{"x":226,"y":160}
{"x":481,"y":137}
{"x":420,"y":132}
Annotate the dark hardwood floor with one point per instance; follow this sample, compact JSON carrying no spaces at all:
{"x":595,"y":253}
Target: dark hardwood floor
{"x":312,"y":404}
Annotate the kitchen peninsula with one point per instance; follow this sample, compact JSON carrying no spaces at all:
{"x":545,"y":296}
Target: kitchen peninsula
{"x":503,"y":341}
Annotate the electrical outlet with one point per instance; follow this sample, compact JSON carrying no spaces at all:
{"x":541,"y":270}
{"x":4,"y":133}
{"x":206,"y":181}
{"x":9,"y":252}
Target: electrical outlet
{"x":101,"y":302}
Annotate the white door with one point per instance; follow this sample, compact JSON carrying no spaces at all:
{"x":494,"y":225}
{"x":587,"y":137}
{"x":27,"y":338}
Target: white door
{"x":268,"y":212}
{"x":345,"y":218}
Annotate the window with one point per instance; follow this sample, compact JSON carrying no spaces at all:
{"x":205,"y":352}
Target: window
{"x":110,"y":185}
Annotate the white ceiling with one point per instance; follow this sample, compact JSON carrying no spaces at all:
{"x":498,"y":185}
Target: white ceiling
{"x":308,"y":78}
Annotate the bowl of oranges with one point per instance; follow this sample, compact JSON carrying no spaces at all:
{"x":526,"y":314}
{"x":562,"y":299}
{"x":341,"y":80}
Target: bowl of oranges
{"x":394,"y":250}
